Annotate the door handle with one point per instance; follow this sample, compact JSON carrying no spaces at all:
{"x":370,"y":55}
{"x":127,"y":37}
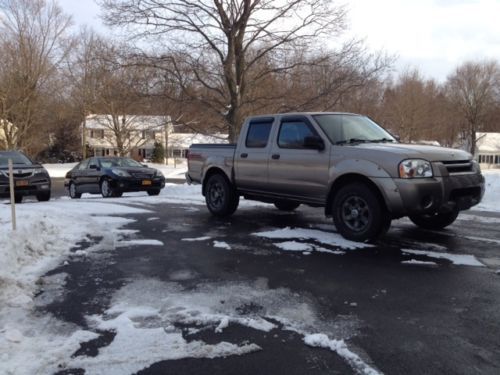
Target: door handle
{"x":244,"y":155}
{"x":275,"y":156}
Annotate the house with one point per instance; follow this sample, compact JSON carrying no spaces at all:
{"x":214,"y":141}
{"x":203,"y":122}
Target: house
{"x":139,"y":135}
{"x":488,"y":150}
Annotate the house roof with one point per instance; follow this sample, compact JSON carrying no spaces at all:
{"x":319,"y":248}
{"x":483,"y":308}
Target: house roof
{"x":184,"y":140}
{"x":135,"y":122}
{"x":488,"y":142}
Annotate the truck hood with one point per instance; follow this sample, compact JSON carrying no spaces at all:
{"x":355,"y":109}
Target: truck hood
{"x":430,"y":153}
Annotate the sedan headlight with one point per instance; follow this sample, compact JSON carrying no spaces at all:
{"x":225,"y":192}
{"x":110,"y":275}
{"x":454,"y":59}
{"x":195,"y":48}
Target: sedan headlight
{"x":120,"y":172}
{"x":415,"y":168}
{"x":159,"y":173}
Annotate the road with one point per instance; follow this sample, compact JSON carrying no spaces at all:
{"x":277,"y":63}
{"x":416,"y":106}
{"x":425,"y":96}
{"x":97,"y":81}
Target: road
{"x":401,"y":313}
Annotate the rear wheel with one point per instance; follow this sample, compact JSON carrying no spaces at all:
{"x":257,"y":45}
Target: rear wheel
{"x":221,"y":198}
{"x":154,"y":192}
{"x":43,"y":196}
{"x":435,"y":221}
{"x":73,"y":192}
{"x":358,"y":213}
{"x":286,"y":205}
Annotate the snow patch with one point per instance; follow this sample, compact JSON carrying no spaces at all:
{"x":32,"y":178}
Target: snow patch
{"x":419,"y":263}
{"x":222,"y":245}
{"x":204,"y":238}
{"x":457,"y":259}
{"x":327,"y":238}
{"x":321,"y":340}
{"x":293,"y":246}
{"x":139,"y":242}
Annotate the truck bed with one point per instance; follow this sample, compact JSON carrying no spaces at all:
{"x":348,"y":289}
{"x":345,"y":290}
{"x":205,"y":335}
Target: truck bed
{"x":202,"y":156}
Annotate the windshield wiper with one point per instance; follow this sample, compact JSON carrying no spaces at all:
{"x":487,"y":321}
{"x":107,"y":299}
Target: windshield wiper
{"x":381,"y":140}
{"x":351,"y":140}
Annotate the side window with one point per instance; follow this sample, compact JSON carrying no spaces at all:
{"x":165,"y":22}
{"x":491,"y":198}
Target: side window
{"x":93,"y":161}
{"x":293,"y":133}
{"x":83,"y":165}
{"x":258,"y":134}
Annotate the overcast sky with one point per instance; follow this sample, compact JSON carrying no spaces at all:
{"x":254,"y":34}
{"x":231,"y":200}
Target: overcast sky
{"x":431,"y":35}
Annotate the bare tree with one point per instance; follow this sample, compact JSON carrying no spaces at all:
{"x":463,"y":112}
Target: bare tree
{"x":33,"y":43}
{"x":217,"y":47}
{"x":474,"y":90}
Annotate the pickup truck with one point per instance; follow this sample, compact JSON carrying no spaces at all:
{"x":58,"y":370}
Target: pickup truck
{"x":362,"y":176}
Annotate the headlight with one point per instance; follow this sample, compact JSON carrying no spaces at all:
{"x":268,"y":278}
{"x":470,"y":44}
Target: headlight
{"x":415,"y":168}
{"x":120,"y":172}
{"x":159,"y":173}
{"x":40,"y":171}
{"x":476,"y":167}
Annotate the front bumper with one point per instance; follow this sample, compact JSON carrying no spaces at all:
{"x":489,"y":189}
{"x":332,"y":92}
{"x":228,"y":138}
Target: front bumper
{"x":137,"y":184}
{"x":24,"y":187}
{"x":438,"y":194}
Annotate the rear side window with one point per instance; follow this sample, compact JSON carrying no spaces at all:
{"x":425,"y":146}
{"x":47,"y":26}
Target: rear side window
{"x":258,"y":133}
{"x":83,"y":165}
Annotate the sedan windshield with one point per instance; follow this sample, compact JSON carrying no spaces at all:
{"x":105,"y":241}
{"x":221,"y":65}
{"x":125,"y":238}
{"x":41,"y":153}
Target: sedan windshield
{"x":15,"y":157}
{"x":119,"y":162}
{"x":341,"y":129}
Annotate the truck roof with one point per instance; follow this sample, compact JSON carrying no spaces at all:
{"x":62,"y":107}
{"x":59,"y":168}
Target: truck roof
{"x":306,"y":113}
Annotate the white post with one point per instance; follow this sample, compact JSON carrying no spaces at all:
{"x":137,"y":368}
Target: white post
{"x":12,"y":196}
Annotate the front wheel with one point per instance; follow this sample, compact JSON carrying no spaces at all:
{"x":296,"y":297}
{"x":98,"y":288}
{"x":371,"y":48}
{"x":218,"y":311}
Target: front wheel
{"x":43,"y":196}
{"x":107,"y":190}
{"x":435,"y":221}
{"x":221,"y":198}
{"x":358,"y":213}
{"x":73,"y":193}
{"x":154,"y":192}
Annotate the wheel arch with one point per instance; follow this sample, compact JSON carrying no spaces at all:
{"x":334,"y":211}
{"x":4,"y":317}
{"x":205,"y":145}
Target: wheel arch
{"x":348,"y":179}
{"x":209,"y":173}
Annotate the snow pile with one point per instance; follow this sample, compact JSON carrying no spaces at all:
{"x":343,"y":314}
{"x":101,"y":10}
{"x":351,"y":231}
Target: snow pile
{"x":490,"y":200}
{"x":58,"y":170}
{"x":45,"y":234}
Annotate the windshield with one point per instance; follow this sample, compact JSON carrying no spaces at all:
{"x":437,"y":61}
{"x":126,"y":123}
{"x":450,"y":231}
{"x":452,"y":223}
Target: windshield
{"x":15,"y":157}
{"x":119,"y":162}
{"x":342,"y":129}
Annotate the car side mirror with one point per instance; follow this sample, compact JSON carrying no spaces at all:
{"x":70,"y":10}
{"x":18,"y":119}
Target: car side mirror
{"x":314,"y":143}
{"x":145,"y":166}
{"x":93,"y":166}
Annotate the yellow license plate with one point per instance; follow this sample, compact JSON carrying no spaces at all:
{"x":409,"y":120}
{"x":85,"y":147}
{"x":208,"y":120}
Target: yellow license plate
{"x":146,"y":182}
{"x":22,"y":183}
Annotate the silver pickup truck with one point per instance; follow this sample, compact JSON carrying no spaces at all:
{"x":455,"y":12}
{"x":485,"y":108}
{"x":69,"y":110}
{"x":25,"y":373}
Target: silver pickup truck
{"x":346,"y":163}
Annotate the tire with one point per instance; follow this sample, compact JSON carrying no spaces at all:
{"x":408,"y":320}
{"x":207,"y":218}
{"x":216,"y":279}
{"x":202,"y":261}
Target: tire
{"x":221,"y":198}
{"x":106,"y":190}
{"x":43,"y":196}
{"x":18,"y":198}
{"x":73,"y":193}
{"x":435,"y":221}
{"x":358,"y":213}
{"x":154,"y":192}
{"x":286,"y":205}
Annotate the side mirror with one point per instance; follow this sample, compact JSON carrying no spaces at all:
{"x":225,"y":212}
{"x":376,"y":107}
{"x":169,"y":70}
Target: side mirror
{"x":94,"y":166}
{"x":145,"y":166}
{"x":314,"y":143}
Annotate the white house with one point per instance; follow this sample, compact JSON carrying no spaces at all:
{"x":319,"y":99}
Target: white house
{"x":143,"y":132}
{"x":488,"y":150}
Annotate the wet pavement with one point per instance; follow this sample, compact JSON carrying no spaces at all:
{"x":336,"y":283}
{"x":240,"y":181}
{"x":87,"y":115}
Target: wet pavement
{"x":401,"y":308}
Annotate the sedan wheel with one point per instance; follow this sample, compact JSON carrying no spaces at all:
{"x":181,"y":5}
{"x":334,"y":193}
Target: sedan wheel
{"x":106,"y":189}
{"x":72,"y":191}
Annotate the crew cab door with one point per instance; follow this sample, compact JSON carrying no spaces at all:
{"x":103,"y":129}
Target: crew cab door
{"x":252,"y":154}
{"x":297,"y":167}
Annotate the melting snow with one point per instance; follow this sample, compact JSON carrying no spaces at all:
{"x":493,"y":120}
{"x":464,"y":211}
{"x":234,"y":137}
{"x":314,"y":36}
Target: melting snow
{"x":457,"y":259}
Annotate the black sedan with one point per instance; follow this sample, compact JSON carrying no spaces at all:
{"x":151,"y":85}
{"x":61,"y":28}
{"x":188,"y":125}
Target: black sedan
{"x":111,"y":177}
{"x":29,"y":178}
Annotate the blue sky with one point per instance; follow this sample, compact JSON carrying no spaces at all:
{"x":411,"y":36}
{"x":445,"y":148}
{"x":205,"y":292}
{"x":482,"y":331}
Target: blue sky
{"x":432,"y":35}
